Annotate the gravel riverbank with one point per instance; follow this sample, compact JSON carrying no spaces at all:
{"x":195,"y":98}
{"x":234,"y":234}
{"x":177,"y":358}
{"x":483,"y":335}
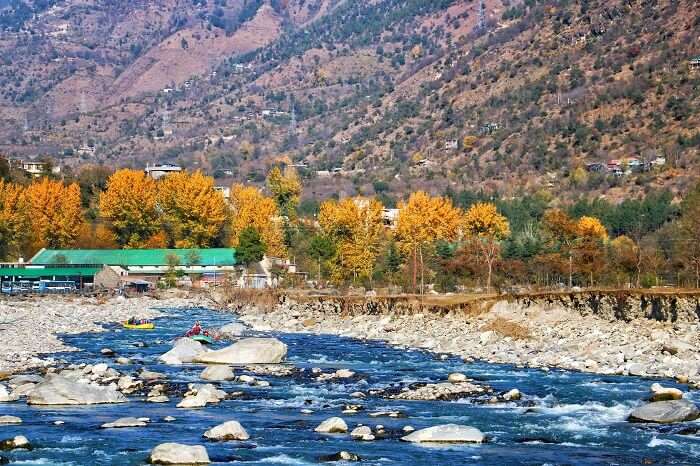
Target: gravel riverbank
{"x":29,"y":326}
{"x":535,"y":336}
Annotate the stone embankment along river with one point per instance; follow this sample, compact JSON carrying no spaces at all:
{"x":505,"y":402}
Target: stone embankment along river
{"x":648,"y":334}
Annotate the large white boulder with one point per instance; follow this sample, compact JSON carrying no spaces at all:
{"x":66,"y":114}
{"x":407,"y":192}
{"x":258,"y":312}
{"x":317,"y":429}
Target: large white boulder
{"x":666,"y":412}
{"x":446,"y":433}
{"x":184,"y":350}
{"x":230,"y":430}
{"x":334,"y":425}
{"x":176,"y":453}
{"x":247,"y":351}
{"x":59,"y":390}
{"x":217,"y":373}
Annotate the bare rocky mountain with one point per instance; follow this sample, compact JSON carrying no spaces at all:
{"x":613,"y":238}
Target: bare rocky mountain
{"x":390,"y":95}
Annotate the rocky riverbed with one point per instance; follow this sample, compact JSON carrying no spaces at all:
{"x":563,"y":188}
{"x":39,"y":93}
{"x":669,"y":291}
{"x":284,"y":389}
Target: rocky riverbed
{"x":536,"y":335}
{"x":128,"y":397}
{"x":30,"y":326}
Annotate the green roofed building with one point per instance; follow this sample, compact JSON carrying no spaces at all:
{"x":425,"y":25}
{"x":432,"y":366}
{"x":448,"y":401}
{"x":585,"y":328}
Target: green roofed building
{"x":137,"y":259}
{"x":114,"y":267}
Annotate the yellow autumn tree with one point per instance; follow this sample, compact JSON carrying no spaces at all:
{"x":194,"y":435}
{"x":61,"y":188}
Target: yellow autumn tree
{"x":193,"y":212}
{"x":14,"y":220}
{"x":355,"y":226}
{"x":129,"y":204}
{"x":487,"y":227}
{"x":55,"y":214}
{"x":251,"y":208}
{"x":422,"y":221}
{"x":285,"y":187}
{"x":590,"y":252}
{"x":591,"y":227}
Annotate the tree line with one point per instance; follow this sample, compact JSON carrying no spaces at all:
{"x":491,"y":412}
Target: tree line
{"x":456,"y":240}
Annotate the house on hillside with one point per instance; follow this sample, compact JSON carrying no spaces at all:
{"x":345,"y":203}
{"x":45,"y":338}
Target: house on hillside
{"x":35,"y":168}
{"x":159,"y":171}
{"x":694,"y":63}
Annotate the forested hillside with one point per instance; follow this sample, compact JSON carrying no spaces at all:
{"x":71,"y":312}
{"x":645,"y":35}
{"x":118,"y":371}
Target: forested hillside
{"x":567,"y":98}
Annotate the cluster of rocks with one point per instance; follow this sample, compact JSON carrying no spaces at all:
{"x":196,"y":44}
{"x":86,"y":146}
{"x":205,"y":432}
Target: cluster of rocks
{"x":552,"y":335}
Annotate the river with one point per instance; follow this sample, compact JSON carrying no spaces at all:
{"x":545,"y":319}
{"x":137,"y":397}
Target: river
{"x":564,"y":417}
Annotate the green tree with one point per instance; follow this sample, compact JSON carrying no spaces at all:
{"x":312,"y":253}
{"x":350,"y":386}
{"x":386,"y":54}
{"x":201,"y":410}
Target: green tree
{"x":251,"y":247}
{"x":321,"y":249}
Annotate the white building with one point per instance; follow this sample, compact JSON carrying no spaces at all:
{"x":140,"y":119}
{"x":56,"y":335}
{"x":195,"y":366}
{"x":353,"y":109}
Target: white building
{"x":159,"y":171}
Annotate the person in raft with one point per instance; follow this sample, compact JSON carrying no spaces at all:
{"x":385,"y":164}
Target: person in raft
{"x":195,"y":330}
{"x":135,"y":321}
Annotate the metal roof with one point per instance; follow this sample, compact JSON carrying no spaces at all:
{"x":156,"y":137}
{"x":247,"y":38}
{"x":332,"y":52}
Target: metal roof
{"x":48,"y":272}
{"x":135,"y":257}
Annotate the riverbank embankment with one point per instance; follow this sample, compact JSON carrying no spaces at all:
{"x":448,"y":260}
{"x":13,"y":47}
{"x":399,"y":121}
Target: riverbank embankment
{"x":624,"y":332}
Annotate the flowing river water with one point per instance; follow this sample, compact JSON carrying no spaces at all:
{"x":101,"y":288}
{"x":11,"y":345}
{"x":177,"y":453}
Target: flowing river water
{"x":564,"y":418}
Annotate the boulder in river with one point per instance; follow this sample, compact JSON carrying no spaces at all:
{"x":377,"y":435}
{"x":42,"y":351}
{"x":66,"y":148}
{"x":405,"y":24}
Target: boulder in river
{"x":217,"y":373}
{"x":14,"y":443}
{"x":125,"y":422}
{"x":59,"y":390}
{"x":232,"y":330}
{"x":360,"y":431}
{"x":184,"y":350}
{"x":6,"y":396}
{"x":340,"y":456}
{"x":247,"y":351}
{"x":456,"y":377}
{"x":666,"y":412}
{"x":660,"y":393}
{"x":230,"y":430}
{"x":512,"y":395}
{"x":10,"y":420}
{"x":446,"y":433}
{"x":176,"y":453}
{"x":333,"y":425}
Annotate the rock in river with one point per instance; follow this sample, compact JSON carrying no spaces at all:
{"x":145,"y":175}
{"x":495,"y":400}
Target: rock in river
{"x":334,"y":425}
{"x":217,"y":373}
{"x":5,"y":396}
{"x":19,"y":441}
{"x":665,"y":412}
{"x":340,"y":456}
{"x":124,"y":422}
{"x":231,"y":330}
{"x":10,"y":420}
{"x":175,"y":453}
{"x":659,"y":393}
{"x":183,"y":351}
{"x":230,"y":430}
{"x":59,"y":390}
{"x":447,"y":433}
{"x":247,"y":351}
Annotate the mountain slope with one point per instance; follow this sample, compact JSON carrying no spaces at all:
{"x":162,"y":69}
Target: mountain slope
{"x":430,"y":95}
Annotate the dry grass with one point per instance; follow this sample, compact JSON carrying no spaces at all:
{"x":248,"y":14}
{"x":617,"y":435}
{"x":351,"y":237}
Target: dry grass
{"x":508,"y":328}
{"x":265,"y":300}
